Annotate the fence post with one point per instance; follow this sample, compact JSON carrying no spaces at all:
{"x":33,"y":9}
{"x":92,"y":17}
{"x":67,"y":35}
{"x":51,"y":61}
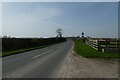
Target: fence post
{"x":99,"y":47}
{"x":118,"y":48}
{"x":106,"y":43}
{"x":117,"y":44}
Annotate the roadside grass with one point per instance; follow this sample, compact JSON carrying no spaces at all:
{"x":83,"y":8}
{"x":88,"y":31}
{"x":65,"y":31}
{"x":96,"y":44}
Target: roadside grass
{"x":87,"y":51}
{"x":7,"y":53}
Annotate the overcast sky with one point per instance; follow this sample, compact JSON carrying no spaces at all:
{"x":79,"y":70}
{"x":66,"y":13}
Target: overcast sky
{"x":37,"y":19}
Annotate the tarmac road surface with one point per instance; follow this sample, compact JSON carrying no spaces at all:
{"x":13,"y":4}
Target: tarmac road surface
{"x":40,"y":63}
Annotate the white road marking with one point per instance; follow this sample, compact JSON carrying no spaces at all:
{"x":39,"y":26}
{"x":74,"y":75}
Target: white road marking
{"x":42,"y":54}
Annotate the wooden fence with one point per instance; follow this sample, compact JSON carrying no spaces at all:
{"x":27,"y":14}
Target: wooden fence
{"x":105,"y":45}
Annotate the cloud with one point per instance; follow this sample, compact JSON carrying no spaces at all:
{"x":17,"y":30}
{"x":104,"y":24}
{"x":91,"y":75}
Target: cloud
{"x":43,"y":19}
{"x":45,"y":13}
{"x":35,"y":22}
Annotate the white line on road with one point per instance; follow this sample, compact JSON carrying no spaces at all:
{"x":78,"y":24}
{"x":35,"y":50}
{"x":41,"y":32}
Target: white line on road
{"x":42,"y":54}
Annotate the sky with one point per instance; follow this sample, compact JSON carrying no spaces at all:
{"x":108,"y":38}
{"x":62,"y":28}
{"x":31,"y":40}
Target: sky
{"x":42,"y":19}
{"x":59,"y":0}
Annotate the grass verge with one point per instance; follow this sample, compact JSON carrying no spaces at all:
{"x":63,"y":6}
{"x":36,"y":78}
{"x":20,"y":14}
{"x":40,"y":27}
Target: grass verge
{"x":7,"y":53}
{"x":87,"y":51}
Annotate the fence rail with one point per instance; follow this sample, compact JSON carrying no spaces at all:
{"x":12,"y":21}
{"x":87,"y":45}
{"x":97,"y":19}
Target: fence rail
{"x":104,"y":45}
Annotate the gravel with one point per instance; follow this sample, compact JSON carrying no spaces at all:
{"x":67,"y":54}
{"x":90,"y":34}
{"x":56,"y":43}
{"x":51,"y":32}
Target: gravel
{"x":76,"y":66}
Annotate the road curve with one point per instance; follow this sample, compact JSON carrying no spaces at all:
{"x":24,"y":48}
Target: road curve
{"x":40,"y":63}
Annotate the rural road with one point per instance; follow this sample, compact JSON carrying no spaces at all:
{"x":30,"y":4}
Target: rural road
{"x":40,"y":63}
{"x":57,"y":61}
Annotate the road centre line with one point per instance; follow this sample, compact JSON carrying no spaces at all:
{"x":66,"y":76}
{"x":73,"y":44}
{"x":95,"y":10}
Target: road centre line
{"x":42,"y":54}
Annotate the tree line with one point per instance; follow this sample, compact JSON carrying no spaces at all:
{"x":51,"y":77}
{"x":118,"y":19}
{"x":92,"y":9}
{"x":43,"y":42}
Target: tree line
{"x":21,"y":43}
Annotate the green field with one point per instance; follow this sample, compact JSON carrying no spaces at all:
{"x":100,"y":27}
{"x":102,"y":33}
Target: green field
{"x":87,"y":51}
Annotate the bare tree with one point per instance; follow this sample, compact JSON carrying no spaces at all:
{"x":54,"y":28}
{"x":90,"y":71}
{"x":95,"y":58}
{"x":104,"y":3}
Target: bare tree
{"x":59,"y":32}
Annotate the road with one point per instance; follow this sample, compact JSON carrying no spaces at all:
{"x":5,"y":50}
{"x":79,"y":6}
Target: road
{"x":57,"y":61}
{"x":40,"y":63}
